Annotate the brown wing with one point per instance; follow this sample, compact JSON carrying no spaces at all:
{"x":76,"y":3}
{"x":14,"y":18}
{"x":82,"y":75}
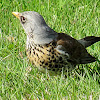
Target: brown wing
{"x":77,"y":52}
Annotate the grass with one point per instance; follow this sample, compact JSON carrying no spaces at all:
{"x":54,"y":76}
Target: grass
{"x":19,"y":80}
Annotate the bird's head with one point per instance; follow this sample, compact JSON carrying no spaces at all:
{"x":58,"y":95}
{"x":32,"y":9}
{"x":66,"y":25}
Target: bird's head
{"x":35,"y":26}
{"x":30,"y":20}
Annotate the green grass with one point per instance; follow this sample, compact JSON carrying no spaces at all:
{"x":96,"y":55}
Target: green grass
{"x":19,"y":80}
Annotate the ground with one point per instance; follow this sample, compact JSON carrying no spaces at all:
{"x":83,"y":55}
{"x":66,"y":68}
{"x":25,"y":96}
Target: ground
{"x":19,"y":79}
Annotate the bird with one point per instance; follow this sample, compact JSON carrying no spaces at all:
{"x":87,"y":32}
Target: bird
{"x":50,"y":51}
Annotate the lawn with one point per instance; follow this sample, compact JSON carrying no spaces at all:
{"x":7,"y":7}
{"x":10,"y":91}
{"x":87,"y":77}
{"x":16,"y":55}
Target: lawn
{"x":19,"y":80}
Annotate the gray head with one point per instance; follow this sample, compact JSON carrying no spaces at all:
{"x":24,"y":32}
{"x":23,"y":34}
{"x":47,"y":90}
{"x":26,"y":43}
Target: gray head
{"x":35,"y":27}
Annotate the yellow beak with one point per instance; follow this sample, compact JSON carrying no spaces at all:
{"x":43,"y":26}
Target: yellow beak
{"x":17,"y":14}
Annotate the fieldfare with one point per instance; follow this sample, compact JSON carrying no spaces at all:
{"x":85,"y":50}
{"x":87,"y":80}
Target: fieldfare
{"x":52,"y":51}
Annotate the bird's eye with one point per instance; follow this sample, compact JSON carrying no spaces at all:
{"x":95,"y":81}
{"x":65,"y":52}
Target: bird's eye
{"x":23,"y":19}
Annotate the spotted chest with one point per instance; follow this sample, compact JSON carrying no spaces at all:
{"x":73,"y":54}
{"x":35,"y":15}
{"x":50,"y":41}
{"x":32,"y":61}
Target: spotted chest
{"x":47,"y":57}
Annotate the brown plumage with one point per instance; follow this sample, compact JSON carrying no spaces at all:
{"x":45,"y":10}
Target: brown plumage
{"x":47,"y":49}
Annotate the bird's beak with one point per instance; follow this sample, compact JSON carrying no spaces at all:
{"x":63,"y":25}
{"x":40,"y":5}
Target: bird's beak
{"x":17,"y":14}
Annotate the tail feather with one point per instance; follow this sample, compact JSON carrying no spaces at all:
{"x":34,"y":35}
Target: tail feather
{"x":87,"y":59}
{"x":89,"y":40}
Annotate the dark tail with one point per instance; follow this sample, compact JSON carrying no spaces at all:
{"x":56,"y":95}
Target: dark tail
{"x":89,"y":40}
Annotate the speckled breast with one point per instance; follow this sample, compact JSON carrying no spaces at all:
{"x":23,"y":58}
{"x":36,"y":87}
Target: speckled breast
{"x":47,"y":57}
